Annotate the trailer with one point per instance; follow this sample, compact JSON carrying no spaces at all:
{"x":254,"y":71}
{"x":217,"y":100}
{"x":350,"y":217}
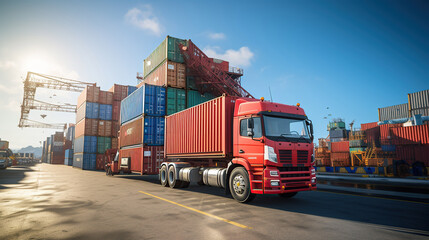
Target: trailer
{"x":248,"y":147}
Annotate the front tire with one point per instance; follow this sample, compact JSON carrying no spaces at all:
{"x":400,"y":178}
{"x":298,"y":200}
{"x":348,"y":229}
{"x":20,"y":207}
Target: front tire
{"x":239,"y":185}
{"x":163,"y":176}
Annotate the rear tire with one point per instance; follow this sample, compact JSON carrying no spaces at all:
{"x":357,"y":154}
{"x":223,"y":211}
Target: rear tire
{"x":239,"y":185}
{"x":163,"y":176}
{"x":287,"y":195}
{"x":172,"y":180}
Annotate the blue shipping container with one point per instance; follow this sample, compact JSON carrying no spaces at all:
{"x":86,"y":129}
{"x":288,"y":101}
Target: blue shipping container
{"x":68,"y":153}
{"x":87,"y":110}
{"x":154,"y":131}
{"x":68,"y":161}
{"x":85,"y":144}
{"x":105,"y":112}
{"x":131,"y":89}
{"x":148,"y":100}
{"x":388,"y":148}
{"x":85,"y":161}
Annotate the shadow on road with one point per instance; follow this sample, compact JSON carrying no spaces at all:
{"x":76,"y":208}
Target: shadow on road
{"x":13,"y":175}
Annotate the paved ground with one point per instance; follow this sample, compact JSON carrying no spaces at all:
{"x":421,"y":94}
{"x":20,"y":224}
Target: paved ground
{"x":59,"y":202}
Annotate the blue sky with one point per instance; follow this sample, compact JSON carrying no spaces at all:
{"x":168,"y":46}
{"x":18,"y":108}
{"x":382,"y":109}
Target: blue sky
{"x":350,"y":56}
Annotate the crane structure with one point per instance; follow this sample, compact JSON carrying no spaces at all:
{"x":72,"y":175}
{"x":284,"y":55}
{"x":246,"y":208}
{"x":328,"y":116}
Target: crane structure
{"x":37,"y":80}
{"x":220,"y":82}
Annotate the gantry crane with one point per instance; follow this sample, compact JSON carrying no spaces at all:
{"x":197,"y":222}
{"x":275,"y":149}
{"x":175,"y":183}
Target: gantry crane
{"x":37,"y":80}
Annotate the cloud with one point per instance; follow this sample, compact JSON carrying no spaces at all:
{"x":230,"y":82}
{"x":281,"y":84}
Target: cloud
{"x":7,"y":64}
{"x":217,"y":36}
{"x":144,"y":19}
{"x":241,"y":57}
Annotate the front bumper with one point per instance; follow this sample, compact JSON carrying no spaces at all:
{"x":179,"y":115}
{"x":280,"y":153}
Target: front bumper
{"x":290,"y":179}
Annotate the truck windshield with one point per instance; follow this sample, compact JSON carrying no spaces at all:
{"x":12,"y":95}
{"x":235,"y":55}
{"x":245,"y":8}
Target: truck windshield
{"x":280,"y":127}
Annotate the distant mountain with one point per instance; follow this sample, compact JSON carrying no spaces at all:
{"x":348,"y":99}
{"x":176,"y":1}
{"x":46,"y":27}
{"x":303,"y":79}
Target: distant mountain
{"x":30,"y":149}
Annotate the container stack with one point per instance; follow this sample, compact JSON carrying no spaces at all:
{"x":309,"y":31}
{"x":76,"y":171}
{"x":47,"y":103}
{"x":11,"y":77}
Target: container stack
{"x":337,"y":131}
{"x":68,"y":145}
{"x":57,"y":149}
{"x":340,"y":155}
{"x":322,"y":153}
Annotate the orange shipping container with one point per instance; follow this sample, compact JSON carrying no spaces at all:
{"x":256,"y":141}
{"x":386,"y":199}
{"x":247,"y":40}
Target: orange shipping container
{"x":340,"y":159}
{"x":365,"y":126}
{"x":99,"y":165}
{"x":119,"y":92}
{"x":89,"y":94}
{"x":169,"y":74}
{"x":116,"y":110}
{"x":114,"y":143}
{"x":115,"y":128}
{"x":104,"y":128}
{"x":144,"y":160}
{"x":87,"y":127}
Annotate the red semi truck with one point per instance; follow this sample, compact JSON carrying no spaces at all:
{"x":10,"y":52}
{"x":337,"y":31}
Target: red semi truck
{"x":244,"y":145}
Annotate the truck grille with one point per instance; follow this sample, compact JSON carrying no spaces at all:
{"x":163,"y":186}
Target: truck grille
{"x":295,"y":176}
{"x":302,"y":157}
{"x":285,"y":156}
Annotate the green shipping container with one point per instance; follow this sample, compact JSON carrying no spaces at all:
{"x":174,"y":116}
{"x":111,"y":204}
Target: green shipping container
{"x":190,"y":83}
{"x":103,"y":143}
{"x":357,"y":149}
{"x":195,"y":98}
{"x":176,"y":100}
{"x":169,"y":49}
{"x":335,"y":125}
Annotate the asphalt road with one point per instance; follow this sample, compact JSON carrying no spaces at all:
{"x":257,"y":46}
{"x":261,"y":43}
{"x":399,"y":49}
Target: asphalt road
{"x":60,"y":202}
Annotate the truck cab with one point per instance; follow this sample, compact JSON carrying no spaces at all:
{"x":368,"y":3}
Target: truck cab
{"x":274,"y":143}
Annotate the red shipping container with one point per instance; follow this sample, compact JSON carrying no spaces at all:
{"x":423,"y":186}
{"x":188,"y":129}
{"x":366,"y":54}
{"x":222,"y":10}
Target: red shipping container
{"x":201,"y":131}
{"x":169,"y":74}
{"x":413,"y":153}
{"x":373,"y":135}
{"x":116,"y":110}
{"x":114,"y":143}
{"x":115,"y":128}
{"x":99,"y":165}
{"x":86,"y":127}
{"x":67,"y":144}
{"x":132,"y":133}
{"x":339,"y":147}
{"x":104,"y":128}
{"x":410,"y":135}
{"x":106,"y":97}
{"x":385,"y":130}
{"x":119,"y":92}
{"x":144,"y":160}
{"x":365,"y":126}
{"x":89,"y":94}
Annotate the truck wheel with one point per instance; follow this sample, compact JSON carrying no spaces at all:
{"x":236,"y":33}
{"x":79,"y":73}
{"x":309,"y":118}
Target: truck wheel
{"x":239,"y":185}
{"x":287,"y":195}
{"x":172,"y":181}
{"x":163,"y":176}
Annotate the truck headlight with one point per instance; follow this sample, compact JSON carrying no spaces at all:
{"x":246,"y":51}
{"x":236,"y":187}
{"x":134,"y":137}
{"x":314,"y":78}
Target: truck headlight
{"x":313,"y":171}
{"x":274,"y":173}
{"x":269,"y":154}
{"x":275,"y":183}
{"x":313,"y":180}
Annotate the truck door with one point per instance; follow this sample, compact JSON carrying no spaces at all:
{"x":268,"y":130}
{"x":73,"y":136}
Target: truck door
{"x":250,"y":147}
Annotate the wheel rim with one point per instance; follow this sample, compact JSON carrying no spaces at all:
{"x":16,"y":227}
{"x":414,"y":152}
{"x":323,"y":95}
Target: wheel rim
{"x":239,"y":184}
{"x":163,"y":175}
{"x":171,"y":176}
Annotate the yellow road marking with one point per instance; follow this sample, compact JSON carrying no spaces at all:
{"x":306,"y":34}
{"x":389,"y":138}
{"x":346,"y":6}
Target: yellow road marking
{"x":199,"y":211}
{"x":402,"y":200}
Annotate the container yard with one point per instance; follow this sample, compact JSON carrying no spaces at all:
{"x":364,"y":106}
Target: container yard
{"x":304,"y":120}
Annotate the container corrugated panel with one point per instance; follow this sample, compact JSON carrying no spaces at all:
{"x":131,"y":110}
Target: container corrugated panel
{"x":194,"y":98}
{"x":145,"y":160}
{"x":373,"y":135}
{"x":105,"y":97}
{"x":357,"y":143}
{"x":340,"y":159}
{"x":87,"y":110}
{"x":337,"y":139}
{"x":393,"y":112}
{"x":105,"y":112}
{"x":419,"y":103}
{"x":116,"y":110}
{"x":357,"y":149}
{"x":153,"y":131}
{"x":132,"y":133}
{"x":104,"y":128}
{"x":176,"y":100}
{"x":337,"y":133}
{"x":168,"y":74}
{"x":68,"y":153}
{"x":87,"y":144}
{"x":385,"y":130}
{"x":85,"y":161}
{"x":131,"y":89}
{"x":340,"y":146}
{"x":168,"y":49}
{"x":115,"y":143}
{"x":119,"y":92}
{"x":115,"y":128}
{"x":57,"y":157}
{"x":201,"y":131}
{"x":87,"y":127}
{"x":148,"y":100}
{"x":68,"y":161}
{"x":89,"y":94}
{"x":70,"y":133}
{"x":365,"y":126}
{"x":190,"y":83}
{"x":99,"y":165}
{"x":411,"y":135}
{"x":388,"y":148}
{"x":103,"y":143}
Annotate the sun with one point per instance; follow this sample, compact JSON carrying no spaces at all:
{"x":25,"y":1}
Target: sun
{"x":38,"y":63}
